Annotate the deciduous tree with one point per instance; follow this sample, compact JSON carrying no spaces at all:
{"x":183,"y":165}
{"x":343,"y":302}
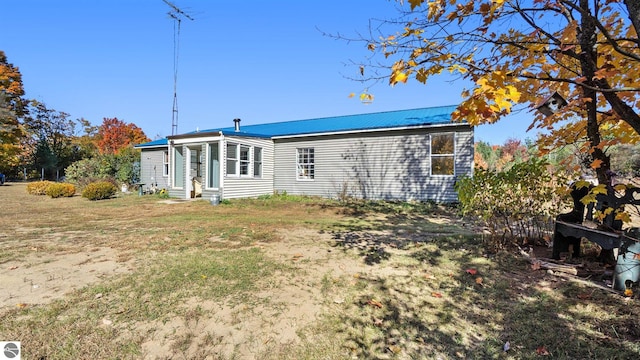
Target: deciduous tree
{"x":12,"y":107}
{"x":50,"y":139}
{"x":114,"y":135}
{"x":519,"y":52}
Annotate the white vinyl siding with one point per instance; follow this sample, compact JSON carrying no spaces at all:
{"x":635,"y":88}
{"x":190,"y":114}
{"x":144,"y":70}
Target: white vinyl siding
{"x":391,"y":165}
{"x":252,"y":185}
{"x":152,"y":168}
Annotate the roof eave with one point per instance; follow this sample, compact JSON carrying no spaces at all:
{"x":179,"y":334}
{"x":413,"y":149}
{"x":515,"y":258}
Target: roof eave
{"x":413,"y":127}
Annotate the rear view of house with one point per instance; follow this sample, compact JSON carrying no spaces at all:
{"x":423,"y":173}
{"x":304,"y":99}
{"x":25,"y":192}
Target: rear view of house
{"x":397,"y":155}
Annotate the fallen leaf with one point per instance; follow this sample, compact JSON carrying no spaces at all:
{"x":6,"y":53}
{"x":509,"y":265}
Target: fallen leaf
{"x":429,"y":277}
{"x":541,"y":350}
{"x":628,"y":292}
{"x":377,"y":322}
{"x":338,"y":301}
{"x":22,"y":305}
{"x":375,"y":303}
{"x":297,"y":257}
{"x":395,"y":349}
{"x":479,"y":280}
{"x":535,"y":265}
{"x":13,"y":267}
{"x":584,"y":296}
{"x":436,"y":294}
{"x":471,"y":271}
{"x":107,"y":322}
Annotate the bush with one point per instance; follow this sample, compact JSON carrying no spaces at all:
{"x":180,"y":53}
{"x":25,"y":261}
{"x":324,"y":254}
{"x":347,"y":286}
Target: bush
{"x":56,"y":190}
{"x":99,"y":190}
{"x":516,"y":203}
{"x":38,"y":187}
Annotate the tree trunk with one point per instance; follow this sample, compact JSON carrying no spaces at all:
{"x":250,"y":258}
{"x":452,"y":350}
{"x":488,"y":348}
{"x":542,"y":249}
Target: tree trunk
{"x":588,"y":61}
{"x":633,"y":6}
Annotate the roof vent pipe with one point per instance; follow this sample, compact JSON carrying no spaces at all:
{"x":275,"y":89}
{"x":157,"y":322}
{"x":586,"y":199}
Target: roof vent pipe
{"x":236,"y":123}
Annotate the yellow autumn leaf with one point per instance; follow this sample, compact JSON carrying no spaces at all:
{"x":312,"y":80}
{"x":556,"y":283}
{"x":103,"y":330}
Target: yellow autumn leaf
{"x":620,"y":187}
{"x":398,"y":76}
{"x":599,"y":189}
{"x":416,"y":3}
{"x":623,"y":216}
{"x":352,"y":95}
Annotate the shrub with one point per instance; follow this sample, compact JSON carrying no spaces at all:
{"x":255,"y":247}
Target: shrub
{"x":519,"y":202}
{"x":38,"y":187}
{"x":99,"y":190}
{"x":56,"y":190}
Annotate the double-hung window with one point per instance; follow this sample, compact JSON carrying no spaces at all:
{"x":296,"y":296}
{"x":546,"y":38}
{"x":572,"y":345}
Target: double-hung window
{"x":443,"y":154}
{"x":257,"y":162}
{"x":305,"y":164}
{"x":165,"y":163}
{"x":232,"y":159}
{"x":245,"y":160}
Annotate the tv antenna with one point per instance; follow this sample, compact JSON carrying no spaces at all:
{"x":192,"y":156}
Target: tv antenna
{"x":177,"y":15}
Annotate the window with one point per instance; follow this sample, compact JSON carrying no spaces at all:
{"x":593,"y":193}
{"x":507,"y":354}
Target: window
{"x":178,"y":171}
{"x":245,"y":160}
{"x":165,"y":163}
{"x":241,"y":163}
{"x":305,"y":164}
{"x":257,"y":162}
{"x":442,"y":154}
{"x":232,"y":159}
{"x":214,"y":167}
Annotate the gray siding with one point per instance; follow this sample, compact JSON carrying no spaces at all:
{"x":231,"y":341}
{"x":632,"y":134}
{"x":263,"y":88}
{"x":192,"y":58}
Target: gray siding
{"x":241,"y":187}
{"x":391,"y":165}
{"x":151,"y":168}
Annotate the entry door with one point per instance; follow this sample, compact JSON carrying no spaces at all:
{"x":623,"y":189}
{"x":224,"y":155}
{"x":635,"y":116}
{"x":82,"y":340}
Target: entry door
{"x":195,"y":168}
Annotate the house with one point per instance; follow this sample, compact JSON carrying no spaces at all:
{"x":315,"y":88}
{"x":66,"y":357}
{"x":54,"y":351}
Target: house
{"x":402,"y":155}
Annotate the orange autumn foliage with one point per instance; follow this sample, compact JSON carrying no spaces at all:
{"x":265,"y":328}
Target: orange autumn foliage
{"x":115,"y":135}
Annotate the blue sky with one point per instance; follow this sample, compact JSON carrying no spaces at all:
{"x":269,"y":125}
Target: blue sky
{"x":261,"y":61}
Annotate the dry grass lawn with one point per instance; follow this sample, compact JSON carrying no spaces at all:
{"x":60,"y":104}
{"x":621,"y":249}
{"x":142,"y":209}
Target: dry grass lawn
{"x":136,"y":277}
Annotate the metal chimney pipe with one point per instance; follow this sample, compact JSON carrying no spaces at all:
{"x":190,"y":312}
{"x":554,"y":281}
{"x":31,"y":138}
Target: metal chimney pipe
{"x":236,"y":123}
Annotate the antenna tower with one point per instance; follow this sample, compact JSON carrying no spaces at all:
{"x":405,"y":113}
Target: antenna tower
{"x":177,"y":15}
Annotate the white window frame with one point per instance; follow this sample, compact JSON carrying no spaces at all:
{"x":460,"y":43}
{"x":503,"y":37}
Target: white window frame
{"x":433,"y":156}
{"x":233,"y":160}
{"x":244,"y":164}
{"x":305,"y":171}
{"x":257,"y":161}
{"x":165,"y":163}
{"x":239,"y":163}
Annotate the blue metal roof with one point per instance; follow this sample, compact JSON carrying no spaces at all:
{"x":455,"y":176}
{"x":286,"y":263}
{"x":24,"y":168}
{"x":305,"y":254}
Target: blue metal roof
{"x":154,"y":143}
{"x":345,"y":123}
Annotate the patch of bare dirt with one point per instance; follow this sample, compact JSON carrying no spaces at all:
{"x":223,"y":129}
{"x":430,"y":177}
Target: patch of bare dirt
{"x":41,"y":277}
{"x":271,"y":319}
